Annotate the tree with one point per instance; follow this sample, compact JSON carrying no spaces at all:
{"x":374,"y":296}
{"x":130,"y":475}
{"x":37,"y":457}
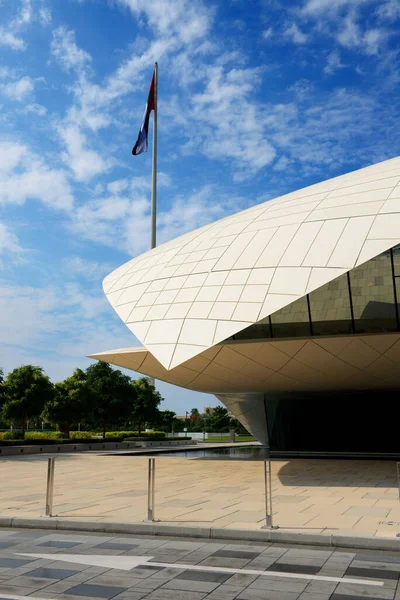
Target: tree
{"x":27,"y":390}
{"x":3,"y":423}
{"x":2,"y":388}
{"x":72,"y":402}
{"x":220,"y":419}
{"x":166,"y":420}
{"x":145,"y":407}
{"x":240,"y":429}
{"x":194,"y":415}
{"x":112,"y":391}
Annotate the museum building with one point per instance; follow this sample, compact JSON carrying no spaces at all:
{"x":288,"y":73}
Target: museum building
{"x":288,"y":312}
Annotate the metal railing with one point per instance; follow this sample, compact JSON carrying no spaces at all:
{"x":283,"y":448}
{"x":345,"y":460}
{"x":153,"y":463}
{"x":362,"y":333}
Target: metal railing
{"x":151,"y":490}
{"x":151,"y":481}
{"x":50,"y":487}
{"x":268,"y":494}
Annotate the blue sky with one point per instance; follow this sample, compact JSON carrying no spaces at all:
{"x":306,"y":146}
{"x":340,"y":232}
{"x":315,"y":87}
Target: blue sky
{"x":256,"y":98}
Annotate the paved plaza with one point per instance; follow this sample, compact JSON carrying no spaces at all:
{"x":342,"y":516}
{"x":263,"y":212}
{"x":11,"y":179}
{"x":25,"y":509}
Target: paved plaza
{"x":334,"y":496}
{"x":76,"y":566}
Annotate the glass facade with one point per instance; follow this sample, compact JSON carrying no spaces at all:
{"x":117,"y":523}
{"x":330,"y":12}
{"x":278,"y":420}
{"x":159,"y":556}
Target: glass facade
{"x":330,"y":308}
{"x":292,"y":320}
{"x":333,"y":422}
{"x":373,"y":296}
{"x":365,"y":300}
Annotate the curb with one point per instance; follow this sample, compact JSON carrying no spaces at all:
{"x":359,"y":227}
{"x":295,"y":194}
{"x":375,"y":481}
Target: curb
{"x":161,"y":529}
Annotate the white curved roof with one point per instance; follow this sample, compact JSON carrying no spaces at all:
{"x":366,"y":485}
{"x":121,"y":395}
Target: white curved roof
{"x":195,"y":291}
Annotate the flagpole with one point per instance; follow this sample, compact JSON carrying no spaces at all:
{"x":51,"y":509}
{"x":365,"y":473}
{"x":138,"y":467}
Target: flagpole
{"x":154,"y":169}
{"x":153,"y":237}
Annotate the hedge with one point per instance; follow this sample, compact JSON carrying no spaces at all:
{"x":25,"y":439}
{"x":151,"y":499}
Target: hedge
{"x":146,"y":435}
{"x":156,"y":439}
{"x":47,"y":442}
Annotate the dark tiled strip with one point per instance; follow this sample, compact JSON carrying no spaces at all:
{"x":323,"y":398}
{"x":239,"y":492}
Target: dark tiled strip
{"x":372,"y":573}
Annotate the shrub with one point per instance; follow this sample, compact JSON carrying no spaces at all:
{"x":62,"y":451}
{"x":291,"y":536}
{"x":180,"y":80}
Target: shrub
{"x":153,"y":435}
{"x":41,"y":435}
{"x":81,"y":435}
{"x":8,"y":435}
{"x":155,"y":438}
{"x":47,"y":442}
{"x":147,"y":435}
{"x":118,"y":435}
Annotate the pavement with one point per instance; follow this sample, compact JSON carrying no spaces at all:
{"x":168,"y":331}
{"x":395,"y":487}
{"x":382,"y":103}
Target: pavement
{"x":76,"y":566}
{"x":349,"y":497}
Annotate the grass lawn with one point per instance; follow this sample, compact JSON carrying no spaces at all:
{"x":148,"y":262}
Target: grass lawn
{"x":240,"y":438}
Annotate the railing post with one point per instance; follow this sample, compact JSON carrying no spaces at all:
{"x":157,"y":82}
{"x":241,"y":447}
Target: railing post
{"x":268,"y":495}
{"x":50,"y":487}
{"x":151,"y":489}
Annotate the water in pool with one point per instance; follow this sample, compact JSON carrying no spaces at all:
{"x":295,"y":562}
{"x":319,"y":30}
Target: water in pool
{"x":238,"y":452}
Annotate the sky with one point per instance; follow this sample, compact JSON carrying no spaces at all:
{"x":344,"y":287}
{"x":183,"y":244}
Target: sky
{"x":256,"y":98}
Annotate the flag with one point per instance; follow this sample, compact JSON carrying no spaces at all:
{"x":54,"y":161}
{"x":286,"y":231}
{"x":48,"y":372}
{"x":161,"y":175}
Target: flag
{"x":141,"y":142}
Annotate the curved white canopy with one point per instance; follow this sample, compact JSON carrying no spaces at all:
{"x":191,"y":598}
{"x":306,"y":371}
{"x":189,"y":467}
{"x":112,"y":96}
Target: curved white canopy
{"x":191,"y":293}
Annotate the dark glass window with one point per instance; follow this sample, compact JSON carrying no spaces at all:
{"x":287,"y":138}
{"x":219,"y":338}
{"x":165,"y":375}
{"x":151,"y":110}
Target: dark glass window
{"x":292,"y":320}
{"x":258,"y":331}
{"x":373,"y":295}
{"x":330,"y":308}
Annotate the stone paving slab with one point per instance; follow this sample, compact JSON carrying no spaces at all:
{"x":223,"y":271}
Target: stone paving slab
{"x":52,"y":579}
{"x":326,"y":496}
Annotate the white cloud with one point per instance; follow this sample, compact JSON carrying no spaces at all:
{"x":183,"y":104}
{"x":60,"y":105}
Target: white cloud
{"x":389,"y":9}
{"x":7,"y":38}
{"x":61,"y":324}
{"x":78,"y":267}
{"x":45,"y":16}
{"x":282,"y":164}
{"x":8,"y":241}
{"x":318,"y":133}
{"x":267,"y":34}
{"x":190,"y":20}
{"x":369,"y":41}
{"x":295,"y":35}
{"x":138,"y":184}
{"x":326,"y":8}
{"x":36,"y":109}
{"x":25,"y":176}
{"x":118,"y":186}
{"x":65,"y":50}
{"x":85,"y":163}
{"x":333,"y":63}
{"x":350,"y":34}
{"x":18,"y":90}
{"x":346,"y":22}
{"x":373,"y":40}
{"x":222,"y":121}
{"x":121,"y":222}
{"x":24,"y":16}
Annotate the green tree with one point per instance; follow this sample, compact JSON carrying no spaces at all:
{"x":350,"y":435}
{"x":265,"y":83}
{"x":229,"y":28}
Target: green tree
{"x":3,"y":423}
{"x":235,"y":424}
{"x":112,"y":392}
{"x":2,"y":388}
{"x":220,"y":419}
{"x":27,"y":390}
{"x":72,"y":402}
{"x":145,"y":407}
{"x":194,"y":415}
{"x":166,"y":420}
